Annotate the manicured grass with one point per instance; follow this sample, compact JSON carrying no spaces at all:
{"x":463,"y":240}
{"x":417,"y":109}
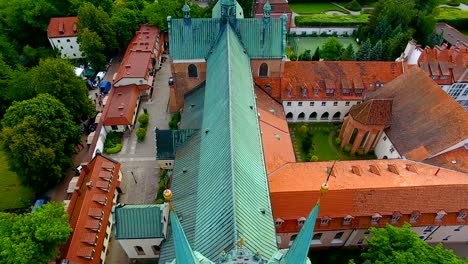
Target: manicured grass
{"x":12,"y":194}
{"x":314,"y":8}
{"x":113,"y":143}
{"x":300,"y":44}
{"x":453,"y":16}
{"x":323,"y":142}
{"x":331,"y":20}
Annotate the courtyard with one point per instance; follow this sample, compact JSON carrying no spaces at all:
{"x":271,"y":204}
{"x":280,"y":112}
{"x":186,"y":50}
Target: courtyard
{"x":320,"y":142}
{"x":299,"y":44}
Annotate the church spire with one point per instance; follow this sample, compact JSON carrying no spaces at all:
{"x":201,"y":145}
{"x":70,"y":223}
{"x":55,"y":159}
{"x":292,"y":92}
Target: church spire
{"x":183,"y":251}
{"x":186,"y":12}
{"x":297,"y":253}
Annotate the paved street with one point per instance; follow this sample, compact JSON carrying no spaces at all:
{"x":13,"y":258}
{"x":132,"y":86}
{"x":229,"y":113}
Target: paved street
{"x":140,"y":158}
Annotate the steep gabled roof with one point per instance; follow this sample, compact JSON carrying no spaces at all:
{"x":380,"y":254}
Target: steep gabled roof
{"x":60,"y":27}
{"x":373,"y":112}
{"x":122,"y":103}
{"x":425,"y":119}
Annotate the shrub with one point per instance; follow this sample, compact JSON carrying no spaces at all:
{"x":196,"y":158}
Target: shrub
{"x":116,"y":149}
{"x":353,"y":6}
{"x":360,"y":152}
{"x":314,"y":158}
{"x":145,"y":110}
{"x":335,"y":34}
{"x":293,"y":57}
{"x":112,"y":139}
{"x":143,"y":120}
{"x":347,"y":149}
{"x":337,"y":141}
{"x":173,"y":124}
{"x":345,"y":34}
{"x":304,"y":33}
{"x":303,"y":130}
{"x":141,"y":133}
{"x":453,"y":2}
{"x":314,"y":34}
{"x":162,"y":185}
{"x":159,"y":201}
{"x":324,"y":34}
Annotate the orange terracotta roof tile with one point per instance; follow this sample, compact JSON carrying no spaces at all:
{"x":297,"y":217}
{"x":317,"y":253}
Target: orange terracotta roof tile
{"x":373,"y":112}
{"x":62,"y":27}
{"x":137,"y":60}
{"x":425,"y":119}
{"x":450,"y":34}
{"x":271,"y":85}
{"x":345,"y":80}
{"x":122,"y":103}
{"x":294,"y":189}
{"x":89,"y":218}
{"x":456,"y":159}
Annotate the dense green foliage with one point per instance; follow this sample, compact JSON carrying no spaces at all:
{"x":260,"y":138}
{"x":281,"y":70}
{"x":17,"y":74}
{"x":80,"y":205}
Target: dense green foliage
{"x":315,"y":8}
{"x":353,"y":6}
{"x":112,"y":140}
{"x":143,"y":119}
{"x":453,"y":16}
{"x":332,"y":50}
{"x":39,"y":137}
{"x":33,"y":237}
{"x":331,"y":20}
{"x":141,"y":134}
{"x":174,"y":123}
{"x":402,"y":245}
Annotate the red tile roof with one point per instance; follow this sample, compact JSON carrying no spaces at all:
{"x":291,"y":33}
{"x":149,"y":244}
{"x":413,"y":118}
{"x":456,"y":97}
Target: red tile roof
{"x":137,"y":60}
{"x":425,"y":119}
{"x":294,"y":189}
{"x":373,"y":112}
{"x":88,"y":217}
{"x":450,"y":34}
{"x":350,"y":80}
{"x":277,"y":6}
{"x":62,"y":27}
{"x":122,"y":103}
{"x":456,"y":159}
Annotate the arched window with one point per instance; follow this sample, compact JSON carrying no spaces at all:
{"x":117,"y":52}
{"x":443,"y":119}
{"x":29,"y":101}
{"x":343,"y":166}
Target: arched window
{"x":313,"y":116}
{"x":263,"y":71}
{"x":364,"y":139}
{"x":301,"y":116}
{"x":324,"y":116}
{"x":289,"y":116}
{"x":337,"y":116}
{"x":353,"y":136}
{"x":192,"y":71}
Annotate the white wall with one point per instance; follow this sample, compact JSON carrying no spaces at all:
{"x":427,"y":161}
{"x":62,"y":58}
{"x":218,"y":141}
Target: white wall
{"x":166,"y":164}
{"x":458,"y":145}
{"x":295,"y":109}
{"x":319,"y":30}
{"x":453,"y":233}
{"x":100,"y":143}
{"x":383,"y":147}
{"x":412,"y":53}
{"x":129,"y":246}
{"x":68,"y":47}
{"x":119,"y":128}
{"x":127,"y":81}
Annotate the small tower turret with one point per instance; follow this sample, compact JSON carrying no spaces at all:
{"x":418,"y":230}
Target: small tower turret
{"x":267,"y":9}
{"x":186,"y":12}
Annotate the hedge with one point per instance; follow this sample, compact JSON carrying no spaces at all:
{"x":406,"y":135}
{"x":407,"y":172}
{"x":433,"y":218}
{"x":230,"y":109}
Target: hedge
{"x":143,"y":120}
{"x":353,"y":6}
{"x":113,"y":150}
{"x":331,"y":20}
{"x":141,"y":134}
{"x":453,"y":16}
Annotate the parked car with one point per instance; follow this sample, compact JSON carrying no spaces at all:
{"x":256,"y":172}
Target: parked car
{"x":171,"y":80}
{"x":78,"y":170}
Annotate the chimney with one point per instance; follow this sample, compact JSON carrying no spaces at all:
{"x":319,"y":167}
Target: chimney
{"x":61,"y":28}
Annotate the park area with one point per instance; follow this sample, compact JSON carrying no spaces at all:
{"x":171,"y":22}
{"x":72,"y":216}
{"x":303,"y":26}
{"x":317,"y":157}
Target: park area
{"x":320,"y":142}
{"x":315,"y":8}
{"x":299,"y":44}
{"x":12,"y":194}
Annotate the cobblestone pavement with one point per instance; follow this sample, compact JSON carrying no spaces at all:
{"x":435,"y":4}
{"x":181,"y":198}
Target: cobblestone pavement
{"x":139,"y":165}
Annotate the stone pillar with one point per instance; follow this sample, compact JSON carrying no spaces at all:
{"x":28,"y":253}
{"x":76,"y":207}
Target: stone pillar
{"x":370,"y":140}
{"x":347,"y":135}
{"x":357,"y":141}
{"x":343,"y":127}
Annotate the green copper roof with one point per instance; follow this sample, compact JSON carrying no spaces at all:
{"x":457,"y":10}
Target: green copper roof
{"x":168,"y":141}
{"x":138,"y":221}
{"x":192,"y":113}
{"x":216,"y":12}
{"x":298,"y":251}
{"x":262,"y":38}
{"x":232,"y":186}
{"x":183,"y":251}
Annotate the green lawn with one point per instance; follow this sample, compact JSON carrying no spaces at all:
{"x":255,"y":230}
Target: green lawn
{"x":300,"y":44}
{"x":314,"y":8}
{"x":331,"y":20}
{"x":323,"y":142}
{"x":12,"y":194}
{"x":451,"y":13}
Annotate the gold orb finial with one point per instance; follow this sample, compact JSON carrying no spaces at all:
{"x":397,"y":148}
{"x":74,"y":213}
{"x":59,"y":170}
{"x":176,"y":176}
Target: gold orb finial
{"x":324,"y":188}
{"x":167,"y":194}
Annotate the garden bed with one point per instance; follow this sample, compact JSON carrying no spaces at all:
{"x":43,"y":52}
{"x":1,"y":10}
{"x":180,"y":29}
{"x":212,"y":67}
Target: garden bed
{"x":319,"y":139}
{"x":299,"y":44}
{"x":113,"y":143}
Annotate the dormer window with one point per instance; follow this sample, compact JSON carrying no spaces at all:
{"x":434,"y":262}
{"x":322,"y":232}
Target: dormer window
{"x":316,"y":92}
{"x":414,"y":217}
{"x":444,"y":77}
{"x":358,"y":91}
{"x":440,"y":215}
{"x":346,"y":91}
{"x":330,"y":91}
{"x":435,"y":77}
{"x":396,"y":217}
{"x":324,"y":221}
{"x":347,"y":220}
{"x":462,"y":215}
{"x":279,"y":222}
{"x":376,"y":219}
{"x":301,"y":221}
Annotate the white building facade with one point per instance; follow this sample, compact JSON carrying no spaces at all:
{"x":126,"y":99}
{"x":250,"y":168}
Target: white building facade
{"x":317,"y":111}
{"x":63,"y":36}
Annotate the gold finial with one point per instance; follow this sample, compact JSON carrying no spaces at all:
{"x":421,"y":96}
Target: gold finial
{"x":167,"y":194}
{"x":240,"y":243}
{"x":323,"y":190}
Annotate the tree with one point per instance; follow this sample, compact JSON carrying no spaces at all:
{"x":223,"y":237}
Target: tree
{"x":316,"y":56}
{"x":39,"y":137}
{"x":56,"y":77}
{"x":331,"y":49}
{"x":377,"y":51}
{"x":125,"y":22}
{"x":92,"y":46}
{"x":33,"y":237}
{"x":97,"y":20}
{"x":348,"y":53}
{"x":364,"y":53}
{"x":306,"y":56}
{"x":402,"y":245}
{"x":157,"y":12}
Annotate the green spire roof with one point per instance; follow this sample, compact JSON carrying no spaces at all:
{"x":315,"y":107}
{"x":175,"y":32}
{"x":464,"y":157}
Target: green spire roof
{"x":267,"y":7}
{"x":298,"y":251}
{"x":183,"y":251}
{"x":186,"y":8}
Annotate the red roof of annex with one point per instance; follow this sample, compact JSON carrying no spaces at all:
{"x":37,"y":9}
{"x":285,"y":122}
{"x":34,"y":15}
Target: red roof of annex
{"x":62,"y":27}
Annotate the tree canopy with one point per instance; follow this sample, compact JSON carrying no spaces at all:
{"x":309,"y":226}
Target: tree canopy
{"x":39,"y":137}
{"x":33,"y":237}
{"x":402,"y":245}
{"x":331,"y":49}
